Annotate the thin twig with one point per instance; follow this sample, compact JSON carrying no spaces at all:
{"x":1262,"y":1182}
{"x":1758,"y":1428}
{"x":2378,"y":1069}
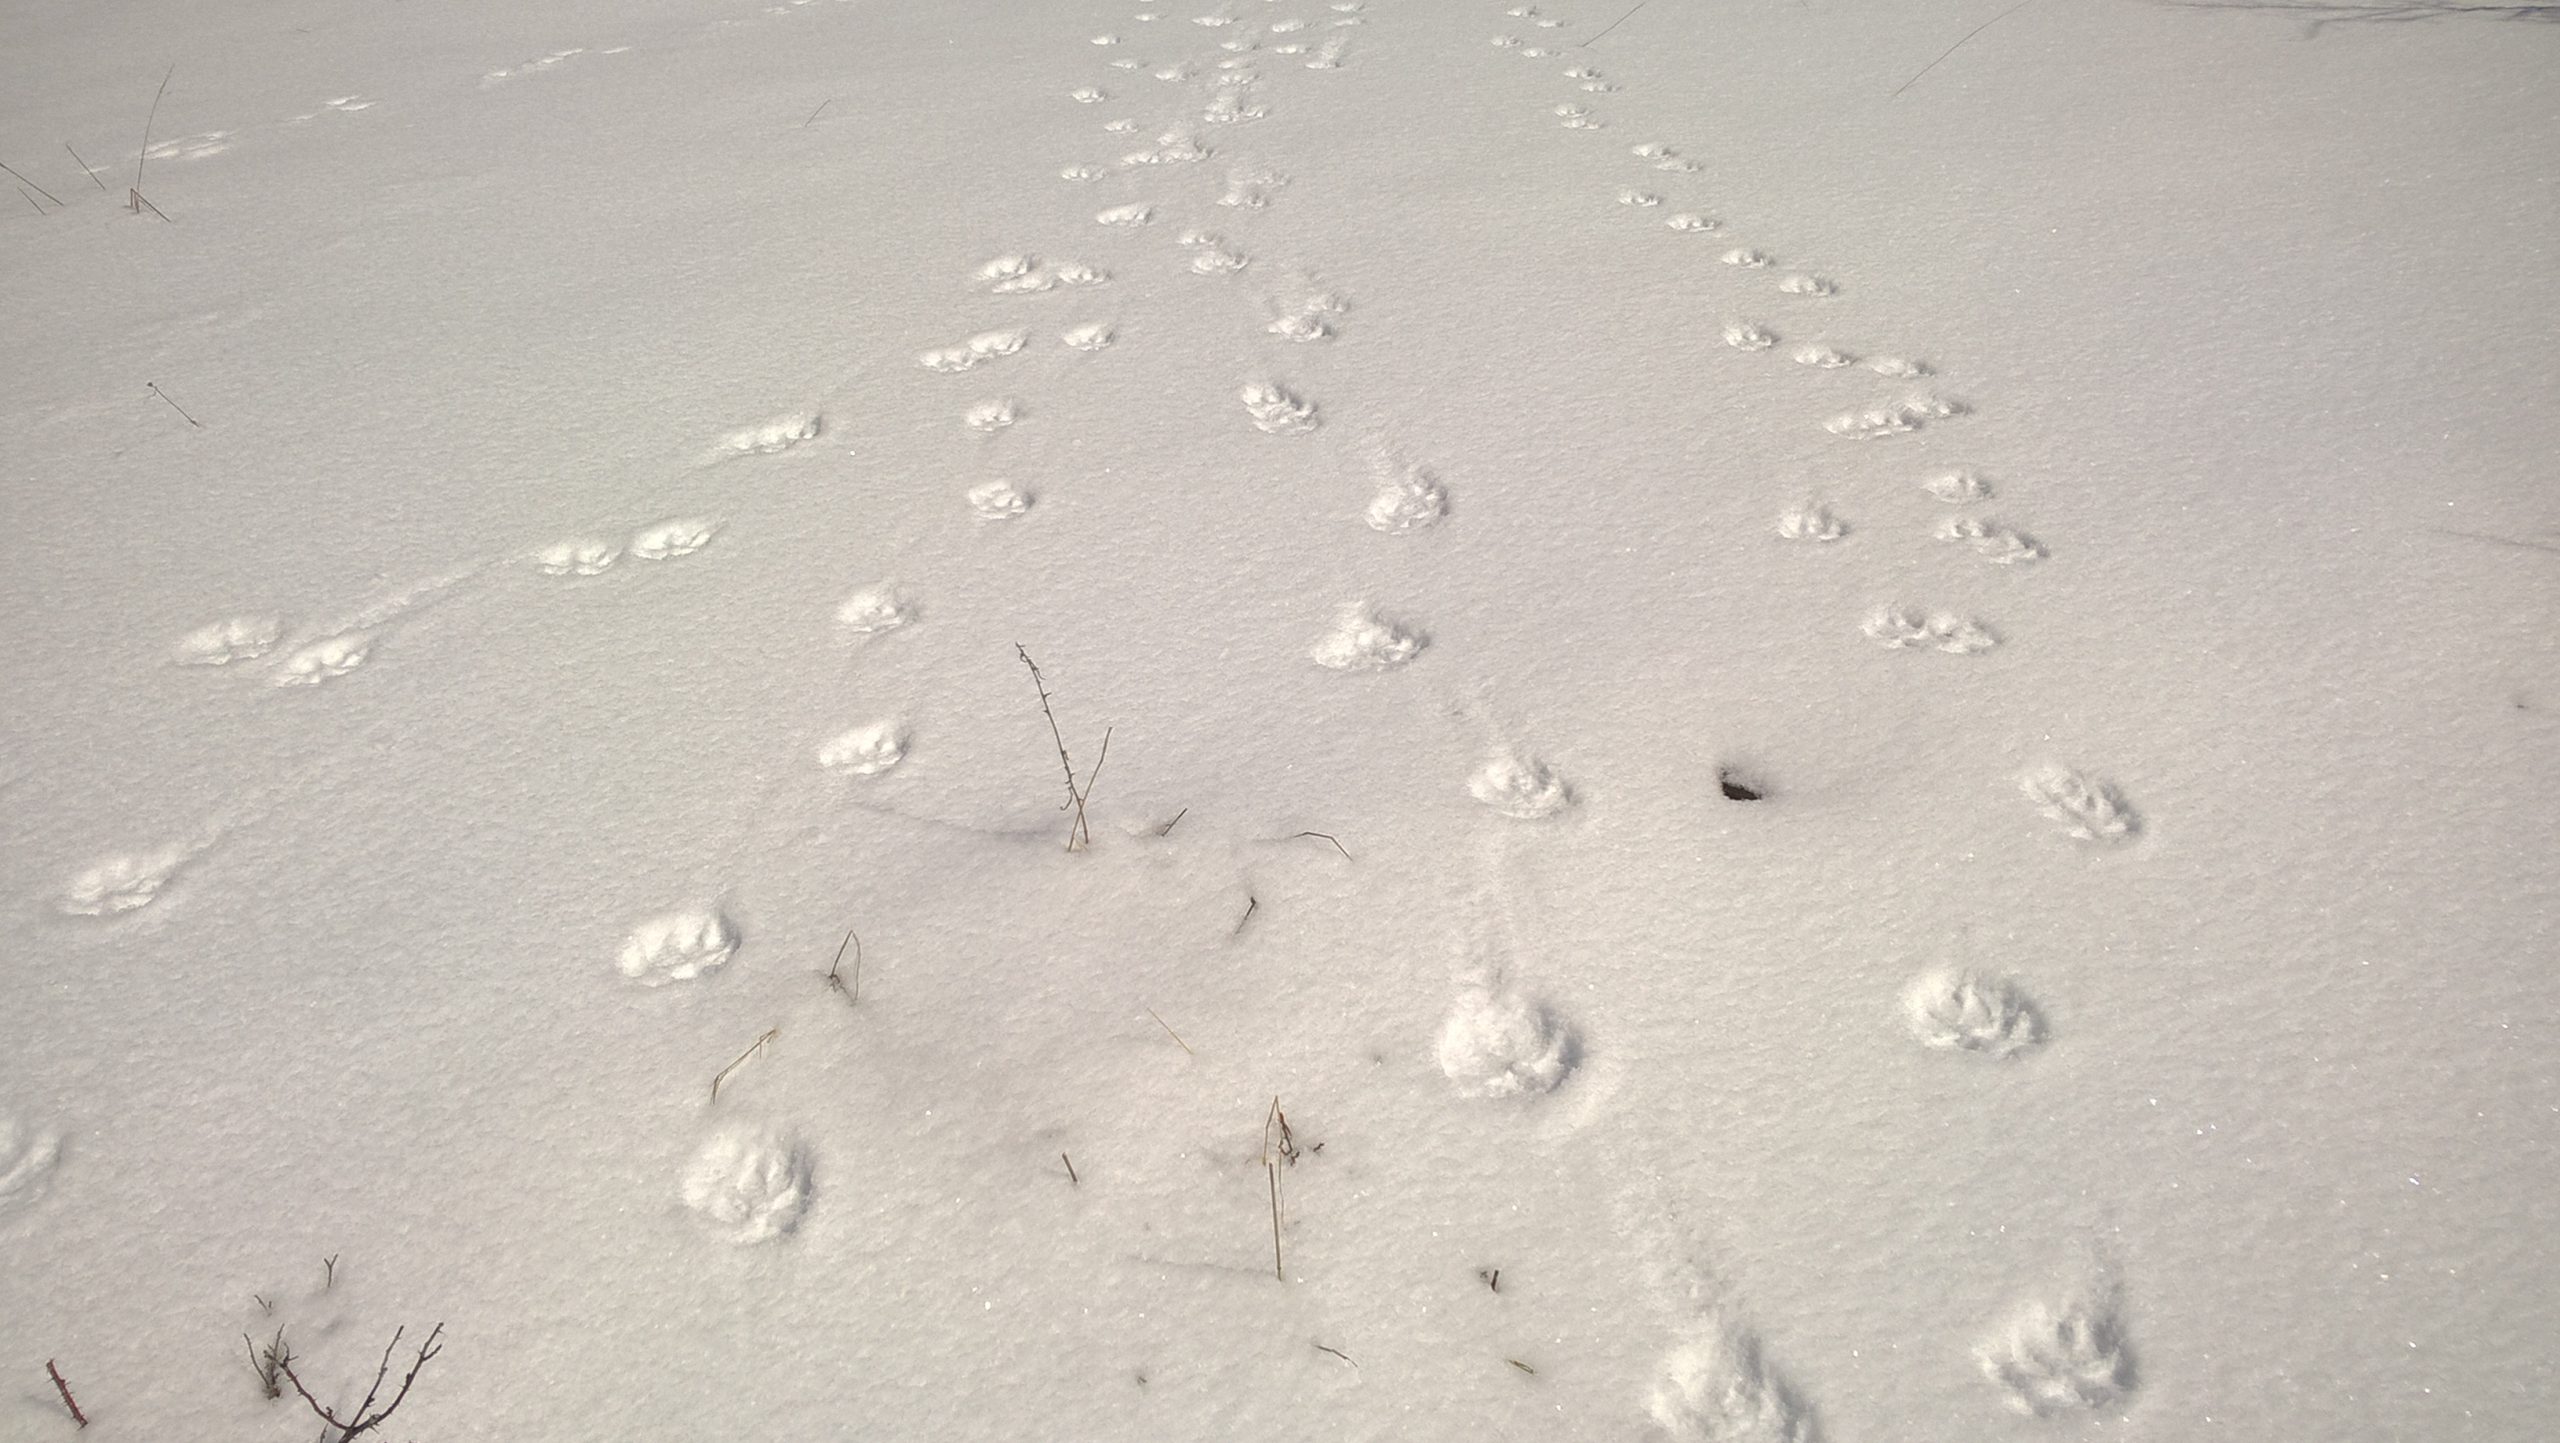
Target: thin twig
{"x":1330,"y":837}
{"x":1078,"y":834}
{"x":1251,"y":902}
{"x":1337,"y":1352}
{"x":147,"y":122}
{"x":853,"y":998}
{"x":140,"y":202}
{"x":1167,"y":828}
{"x":1614,"y":24}
{"x":365,"y":1418}
{"x":813,"y":115}
{"x":753,"y":1048}
{"x":1169,"y":1032}
{"x":1072,"y":1179}
{"x":1959,"y":45}
{"x":1523,"y":1367}
{"x":31,"y":200}
{"x":329,"y":1272}
{"x":84,"y":165}
{"x":40,"y":190}
{"x":1272,"y":1170}
{"x":64,"y":1389}
{"x":154,"y":387}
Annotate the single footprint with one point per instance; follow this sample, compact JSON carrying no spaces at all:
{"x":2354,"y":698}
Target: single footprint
{"x":1715,"y":1388}
{"x":1640,"y":199}
{"x":1996,"y":544}
{"x":1133,"y":214}
{"x":779,"y":434}
{"x":2054,"y":1357}
{"x":676,"y":536}
{"x":875,"y":609}
{"x":27,"y":1158}
{"x":1410,"y":501}
{"x":1892,"y":420}
{"x":1519,"y":786}
{"x":121,"y":882}
{"x":576,"y":558}
{"x":1744,"y":336}
{"x":234,"y":638}
{"x":1898,"y":627}
{"x":1082,"y":172}
{"x":998,"y":500}
{"x":325,"y":660}
{"x":750,"y":1184}
{"x":1301,"y":327}
{"x":1014,"y":275}
{"x":1804,"y":285}
{"x":1218,"y":261}
{"x":1496,"y":1043}
{"x":1073,"y":274}
{"x":991,"y":416}
{"x":1088,"y":95}
{"x":1746,"y":258}
{"x":1091,"y":336}
{"x":1812,"y":522}
{"x":1276,"y":411}
{"x":1228,"y":108}
{"x":865,"y":751}
{"x":1960,"y":1010}
{"x":677,"y":947}
{"x":1901,"y":368}
{"x":1361,"y":640}
{"x":2085,"y":807}
{"x":1828,"y":358}
{"x":1689,"y":220}
{"x":1958,"y":486}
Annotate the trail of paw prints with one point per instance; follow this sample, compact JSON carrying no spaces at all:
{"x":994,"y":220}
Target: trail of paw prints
{"x":1017,"y":275}
{"x":666,"y":540}
{"x":1811,"y":521}
{"x":327,"y":652}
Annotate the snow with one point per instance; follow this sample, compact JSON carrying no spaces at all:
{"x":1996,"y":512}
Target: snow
{"x":2103,"y":515}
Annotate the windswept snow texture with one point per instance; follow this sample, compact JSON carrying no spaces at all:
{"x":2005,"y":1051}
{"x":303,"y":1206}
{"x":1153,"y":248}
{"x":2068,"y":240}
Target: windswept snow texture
{"x":1947,"y":606}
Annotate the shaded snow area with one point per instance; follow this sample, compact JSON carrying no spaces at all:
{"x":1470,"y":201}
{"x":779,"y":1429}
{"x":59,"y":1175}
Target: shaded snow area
{"x":1773,"y":721}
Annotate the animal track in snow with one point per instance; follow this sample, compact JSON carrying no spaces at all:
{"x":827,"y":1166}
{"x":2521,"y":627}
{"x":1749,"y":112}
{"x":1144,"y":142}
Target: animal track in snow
{"x":1579,"y":117}
{"x":779,"y":434}
{"x":2085,"y":807}
{"x":1743,"y":336}
{"x":1898,"y":367}
{"x":1689,"y":220}
{"x":1804,"y":285}
{"x":1497,"y":1043}
{"x":978,"y":349}
{"x":1901,"y":628}
{"x":1133,"y":214}
{"x":1407,"y":502}
{"x":998,"y":500}
{"x":865,"y":751}
{"x":1073,"y":274}
{"x":1088,"y":95}
{"x":1120,"y":127}
{"x":1640,"y":199}
{"x":2055,"y":1357}
{"x":122,"y":881}
{"x":1082,"y":172}
{"x":1996,"y":544}
{"x":1091,"y":336}
{"x":1962,"y":1011}
{"x":677,"y":947}
{"x":1250,"y":189}
{"x":576,"y":558}
{"x":1361,"y":640}
{"x":1823,"y":357}
{"x":1892,"y":420}
{"x":327,"y":659}
{"x":749,"y":1183}
{"x":1228,"y":108}
{"x":1714,"y":1388}
{"x":875,"y":609}
{"x":1277,"y":412}
{"x":1746,"y":258}
{"x":191,"y":147}
{"x":1811,"y":522}
{"x":27,"y":1158}
{"x":1299,"y":326}
{"x":1519,"y":786}
{"x":1217,"y":260}
{"x":674,"y":537}
{"x":234,"y":638}
{"x":1957,"y":487}
{"x":991,"y":416}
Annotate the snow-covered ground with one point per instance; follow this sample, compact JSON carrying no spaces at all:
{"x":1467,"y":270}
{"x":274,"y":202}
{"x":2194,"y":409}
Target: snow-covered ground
{"x":1861,"y":756}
